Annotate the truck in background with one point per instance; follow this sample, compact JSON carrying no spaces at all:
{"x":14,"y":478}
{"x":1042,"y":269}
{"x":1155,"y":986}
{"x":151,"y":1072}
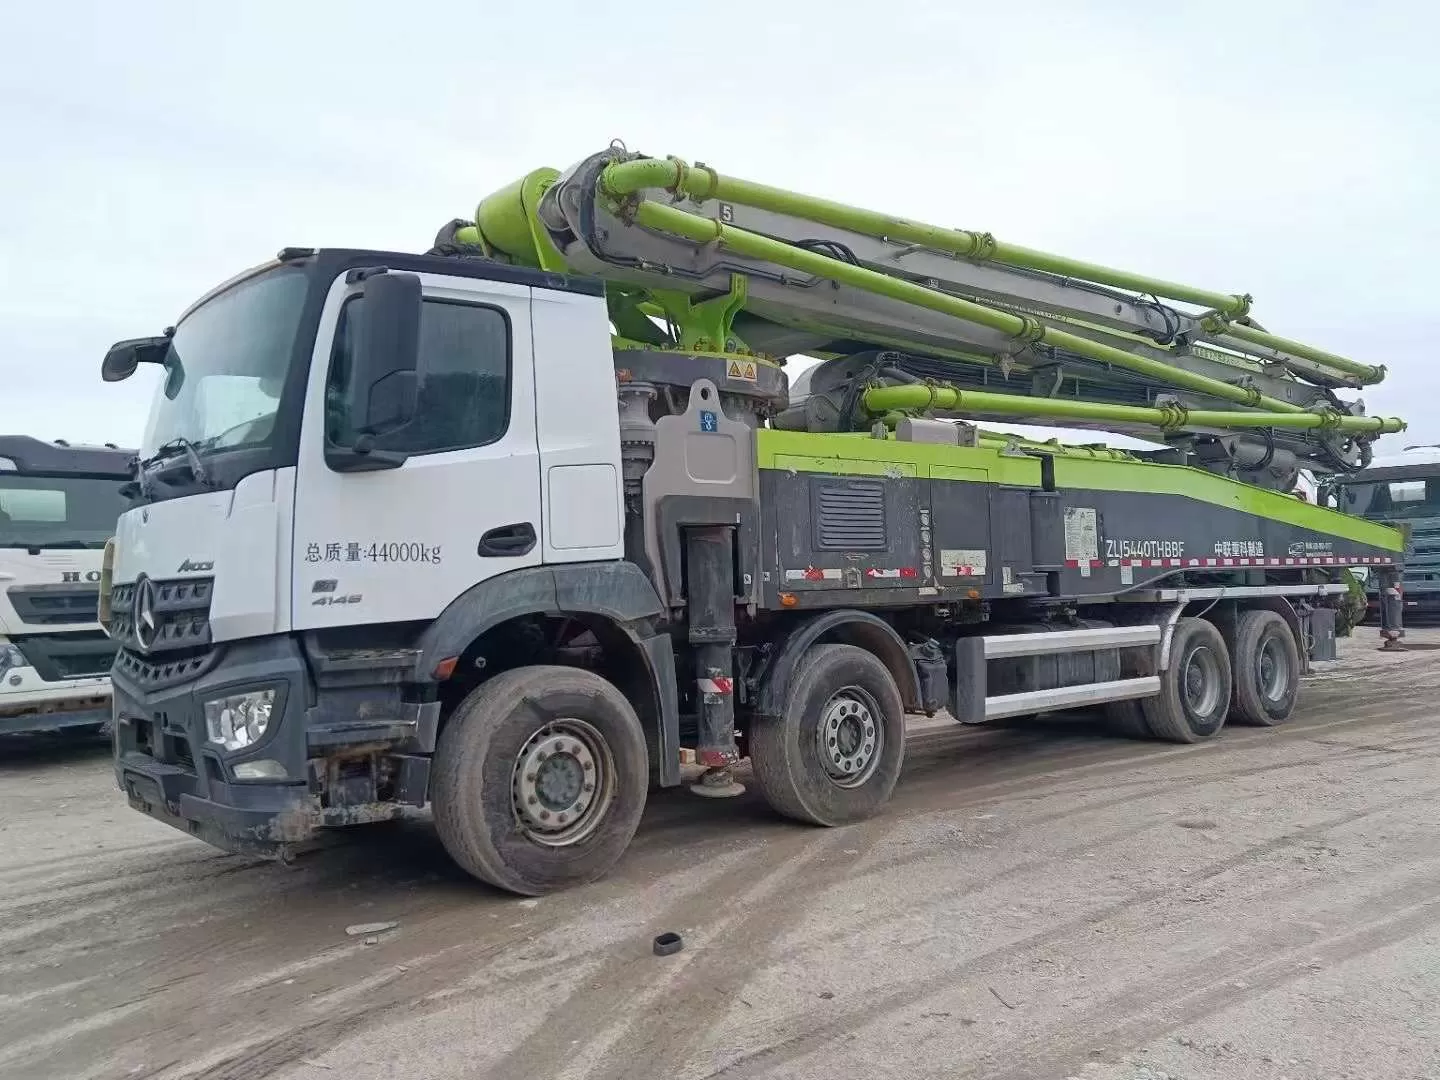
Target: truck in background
{"x":58,"y":508}
{"x":1402,"y":490}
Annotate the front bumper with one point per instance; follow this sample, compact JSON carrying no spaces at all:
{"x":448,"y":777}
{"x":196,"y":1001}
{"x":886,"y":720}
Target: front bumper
{"x":92,"y":713}
{"x":30,"y":703}
{"x":169,"y":770}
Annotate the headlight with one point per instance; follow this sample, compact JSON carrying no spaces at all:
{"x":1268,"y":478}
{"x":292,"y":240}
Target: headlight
{"x":239,"y":720}
{"x":11,"y":657}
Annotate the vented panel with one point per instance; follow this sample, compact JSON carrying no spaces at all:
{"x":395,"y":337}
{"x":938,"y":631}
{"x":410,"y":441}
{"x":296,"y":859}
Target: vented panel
{"x":849,"y":515}
{"x":50,"y":605}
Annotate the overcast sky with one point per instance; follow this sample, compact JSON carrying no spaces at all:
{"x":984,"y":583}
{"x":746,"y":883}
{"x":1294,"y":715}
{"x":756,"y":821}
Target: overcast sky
{"x":1288,"y":149}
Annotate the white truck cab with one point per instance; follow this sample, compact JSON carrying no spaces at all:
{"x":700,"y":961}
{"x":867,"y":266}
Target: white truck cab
{"x":58,"y":506}
{"x":267,"y":588}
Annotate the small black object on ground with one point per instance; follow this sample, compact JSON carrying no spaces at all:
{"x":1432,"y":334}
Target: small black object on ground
{"x":668,"y":944}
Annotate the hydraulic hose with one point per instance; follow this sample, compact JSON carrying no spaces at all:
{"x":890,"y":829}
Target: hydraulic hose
{"x":883,"y":399}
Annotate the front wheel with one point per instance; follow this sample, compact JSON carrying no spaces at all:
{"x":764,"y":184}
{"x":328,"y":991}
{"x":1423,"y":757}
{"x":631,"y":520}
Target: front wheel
{"x":540,"y":778}
{"x":835,"y":754}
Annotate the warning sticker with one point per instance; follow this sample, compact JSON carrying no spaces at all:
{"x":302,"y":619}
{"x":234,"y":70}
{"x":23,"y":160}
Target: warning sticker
{"x":1082,"y":538}
{"x":744,"y":370}
{"x":962,"y":562}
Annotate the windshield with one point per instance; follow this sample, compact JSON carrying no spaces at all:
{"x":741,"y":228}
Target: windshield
{"x":48,"y":511}
{"x":227,"y":364}
{"x":1409,"y":498}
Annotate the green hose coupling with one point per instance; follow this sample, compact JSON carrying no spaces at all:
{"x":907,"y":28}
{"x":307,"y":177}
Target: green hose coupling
{"x":676,"y":190}
{"x":1173,"y":415}
{"x":985,"y":246}
{"x":684,"y":185}
{"x":1031,"y":331}
{"x":1214,"y":322}
{"x":1330,"y":417}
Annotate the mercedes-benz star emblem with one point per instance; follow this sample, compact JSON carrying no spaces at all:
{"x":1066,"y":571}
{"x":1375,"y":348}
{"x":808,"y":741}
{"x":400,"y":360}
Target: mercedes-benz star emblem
{"x":147,"y":626}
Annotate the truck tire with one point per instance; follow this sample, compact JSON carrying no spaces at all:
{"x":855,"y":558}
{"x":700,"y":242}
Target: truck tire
{"x":836,"y":753}
{"x":540,"y":779}
{"x":1126,"y":719}
{"x":1267,"y":670}
{"x":1194,"y":693}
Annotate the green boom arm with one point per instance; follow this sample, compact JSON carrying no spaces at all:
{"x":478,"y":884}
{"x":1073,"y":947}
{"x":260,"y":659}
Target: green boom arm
{"x":671,"y":237}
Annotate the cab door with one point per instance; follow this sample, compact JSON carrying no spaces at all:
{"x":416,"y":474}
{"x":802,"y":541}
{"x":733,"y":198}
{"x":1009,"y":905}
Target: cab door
{"x":400,"y":544}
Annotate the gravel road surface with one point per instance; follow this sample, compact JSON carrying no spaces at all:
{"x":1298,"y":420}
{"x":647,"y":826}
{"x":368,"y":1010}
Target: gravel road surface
{"x":1041,"y":900}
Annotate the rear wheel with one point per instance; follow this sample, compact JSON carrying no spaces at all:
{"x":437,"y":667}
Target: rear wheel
{"x":1267,"y":670}
{"x":540,"y":779}
{"x":1127,"y":718}
{"x":835,"y":754}
{"x":1195,"y":689}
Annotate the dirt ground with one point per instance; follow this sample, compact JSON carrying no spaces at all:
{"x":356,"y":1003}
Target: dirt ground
{"x":1041,"y":900}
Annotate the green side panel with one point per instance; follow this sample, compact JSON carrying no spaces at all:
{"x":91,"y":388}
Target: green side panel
{"x":957,"y":472}
{"x":1219,"y":491}
{"x":862,"y":455}
{"x":843,"y":467}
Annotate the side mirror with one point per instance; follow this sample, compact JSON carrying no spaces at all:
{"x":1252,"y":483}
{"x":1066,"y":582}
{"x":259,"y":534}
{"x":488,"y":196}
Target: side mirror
{"x":125,"y":356}
{"x":385,"y":354}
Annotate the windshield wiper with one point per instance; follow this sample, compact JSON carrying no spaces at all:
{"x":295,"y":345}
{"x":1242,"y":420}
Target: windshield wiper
{"x":192,"y":458}
{"x":147,"y":485}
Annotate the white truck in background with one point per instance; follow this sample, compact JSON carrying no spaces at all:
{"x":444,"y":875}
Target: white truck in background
{"x":58,"y":507}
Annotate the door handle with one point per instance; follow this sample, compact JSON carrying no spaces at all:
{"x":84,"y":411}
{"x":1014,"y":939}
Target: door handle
{"x":509,"y":540}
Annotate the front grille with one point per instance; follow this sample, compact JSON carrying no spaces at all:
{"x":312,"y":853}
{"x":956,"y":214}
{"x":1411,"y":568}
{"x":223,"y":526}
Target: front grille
{"x":84,"y":654}
{"x":182,"y":615}
{"x":166,"y":670}
{"x":54,"y":605}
